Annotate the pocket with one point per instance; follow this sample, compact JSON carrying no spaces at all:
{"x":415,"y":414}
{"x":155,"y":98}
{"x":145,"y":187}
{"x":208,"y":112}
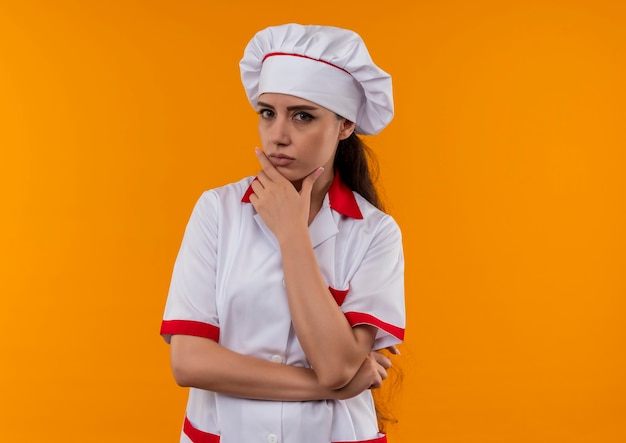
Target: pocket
{"x":198,"y":436}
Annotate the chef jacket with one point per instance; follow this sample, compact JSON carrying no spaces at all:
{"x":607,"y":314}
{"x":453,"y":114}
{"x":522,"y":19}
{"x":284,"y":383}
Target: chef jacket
{"x":228,"y":286}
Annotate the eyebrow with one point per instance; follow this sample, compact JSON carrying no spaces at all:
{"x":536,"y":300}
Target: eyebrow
{"x":289,"y":108}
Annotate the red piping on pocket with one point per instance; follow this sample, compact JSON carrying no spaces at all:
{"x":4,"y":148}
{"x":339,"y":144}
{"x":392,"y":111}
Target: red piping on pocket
{"x":198,"y":436}
{"x":381,"y":439}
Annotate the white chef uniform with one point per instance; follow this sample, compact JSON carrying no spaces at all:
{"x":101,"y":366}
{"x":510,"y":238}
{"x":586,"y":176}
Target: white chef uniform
{"x":228,"y":286}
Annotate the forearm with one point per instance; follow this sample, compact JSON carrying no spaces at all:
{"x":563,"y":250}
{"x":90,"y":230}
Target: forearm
{"x":204,"y":364}
{"x":334,"y":349}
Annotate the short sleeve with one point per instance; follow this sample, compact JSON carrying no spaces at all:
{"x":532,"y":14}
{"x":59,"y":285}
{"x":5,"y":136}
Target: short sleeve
{"x":376,"y":292}
{"x":190,"y":308}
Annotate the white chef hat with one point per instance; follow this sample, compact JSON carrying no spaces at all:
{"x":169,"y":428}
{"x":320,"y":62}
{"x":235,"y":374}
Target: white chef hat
{"x":323,"y":64}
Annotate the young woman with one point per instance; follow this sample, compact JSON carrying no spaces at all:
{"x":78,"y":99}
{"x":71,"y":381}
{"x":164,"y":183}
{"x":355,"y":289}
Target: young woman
{"x":286,"y":282}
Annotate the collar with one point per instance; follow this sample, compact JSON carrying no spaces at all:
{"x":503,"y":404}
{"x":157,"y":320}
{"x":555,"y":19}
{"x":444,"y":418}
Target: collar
{"x":341,"y":198}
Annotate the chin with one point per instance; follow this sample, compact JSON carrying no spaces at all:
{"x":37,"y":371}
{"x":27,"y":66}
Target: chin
{"x":292,"y":176}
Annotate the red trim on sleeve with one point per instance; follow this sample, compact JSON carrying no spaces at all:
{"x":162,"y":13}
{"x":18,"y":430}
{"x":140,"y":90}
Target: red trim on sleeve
{"x":198,"y":436}
{"x":359,"y":318}
{"x":190,"y":327}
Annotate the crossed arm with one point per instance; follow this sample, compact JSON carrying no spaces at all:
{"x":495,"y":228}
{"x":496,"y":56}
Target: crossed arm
{"x":202,"y":363}
{"x":340,"y":354}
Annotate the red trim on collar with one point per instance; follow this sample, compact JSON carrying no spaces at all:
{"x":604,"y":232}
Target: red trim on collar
{"x":249,"y":192}
{"x":340,"y":196}
{"x":342,"y":199}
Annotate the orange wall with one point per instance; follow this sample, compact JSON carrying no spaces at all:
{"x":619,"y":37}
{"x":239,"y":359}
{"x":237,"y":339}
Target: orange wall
{"x":505,"y":167}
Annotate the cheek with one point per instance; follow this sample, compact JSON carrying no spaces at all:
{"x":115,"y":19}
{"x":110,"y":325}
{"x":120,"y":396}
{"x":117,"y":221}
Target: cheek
{"x":262,"y":131}
{"x":259,"y":127}
{"x":330,"y":141}
{"x":327,"y":149}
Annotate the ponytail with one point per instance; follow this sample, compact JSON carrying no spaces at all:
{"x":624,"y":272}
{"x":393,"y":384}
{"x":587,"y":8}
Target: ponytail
{"x":358,"y":168}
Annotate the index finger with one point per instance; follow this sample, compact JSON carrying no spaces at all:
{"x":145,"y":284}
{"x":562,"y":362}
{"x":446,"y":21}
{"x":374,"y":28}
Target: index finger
{"x":267,"y":166}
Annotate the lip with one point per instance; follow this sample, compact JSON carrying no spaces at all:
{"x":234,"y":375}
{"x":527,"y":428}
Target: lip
{"x":281,"y":159}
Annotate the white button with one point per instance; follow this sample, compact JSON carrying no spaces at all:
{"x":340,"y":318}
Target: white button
{"x":284,"y":282}
{"x":272,"y":438}
{"x":276,"y":359}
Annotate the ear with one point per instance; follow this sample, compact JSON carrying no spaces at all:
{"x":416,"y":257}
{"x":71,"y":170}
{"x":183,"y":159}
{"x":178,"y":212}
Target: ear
{"x":346,"y":128}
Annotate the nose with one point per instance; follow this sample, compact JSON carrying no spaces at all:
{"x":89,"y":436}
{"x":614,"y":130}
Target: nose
{"x":278,"y":132}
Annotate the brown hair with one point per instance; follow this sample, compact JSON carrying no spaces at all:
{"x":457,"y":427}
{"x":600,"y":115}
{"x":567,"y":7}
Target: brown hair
{"x":387,"y":396}
{"x":358,"y":168}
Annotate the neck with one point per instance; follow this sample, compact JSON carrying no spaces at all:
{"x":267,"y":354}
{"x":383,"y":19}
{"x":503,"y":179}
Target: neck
{"x":319,"y":191}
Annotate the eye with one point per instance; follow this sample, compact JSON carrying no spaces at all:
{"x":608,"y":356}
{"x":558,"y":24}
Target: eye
{"x":266,"y":113}
{"x":303,"y":116}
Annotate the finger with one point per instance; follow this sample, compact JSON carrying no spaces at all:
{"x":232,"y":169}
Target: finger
{"x":263,"y":179}
{"x":382,"y":360}
{"x":377,"y":382}
{"x":393,"y":350}
{"x":267,"y":166}
{"x":257,"y":187}
{"x":309,"y":180}
{"x":382,"y":372}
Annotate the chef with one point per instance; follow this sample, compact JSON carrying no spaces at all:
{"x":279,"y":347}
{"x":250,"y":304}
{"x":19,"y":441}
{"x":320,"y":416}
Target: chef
{"x":287,"y":283}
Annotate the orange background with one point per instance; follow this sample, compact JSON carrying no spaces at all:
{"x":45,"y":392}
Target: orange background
{"x":504,"y":166}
